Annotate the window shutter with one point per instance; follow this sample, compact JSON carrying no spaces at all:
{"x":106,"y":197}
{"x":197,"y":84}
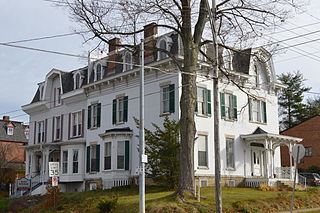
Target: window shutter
{"x":53,"y":118}
{"x":114,"y":111}
{"x":222,"y":105}
{"x":125,"y":109}
{"x":61,"y":131}
{"x":234,"y":106}
{"x":196,"y":103}
{"x":264,"y":105}
{"x":45,"y":130}
{"x":171,"y":98}
{"x":208,"y":102}
{"x":89,"y":117}
{"x":250,"y":109}
{"x":82,"y":124}
{"x":69,"y":126}
{"x":88,"y":159}
{"x":98,"y":114}
{"x":127,"y":155}
{"x":98,"y":158}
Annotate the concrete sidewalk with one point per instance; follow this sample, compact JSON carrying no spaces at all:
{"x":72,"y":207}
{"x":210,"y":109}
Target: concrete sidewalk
{"x":304,"y":210}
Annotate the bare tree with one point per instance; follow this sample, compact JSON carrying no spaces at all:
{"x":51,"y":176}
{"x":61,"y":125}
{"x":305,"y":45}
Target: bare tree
{"x":8,"y":156}
{"x":238,"y":22}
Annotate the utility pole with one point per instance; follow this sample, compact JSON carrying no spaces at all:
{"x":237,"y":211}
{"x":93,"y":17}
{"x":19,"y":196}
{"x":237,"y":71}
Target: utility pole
{"x":216,"y":125}
{"x":141,"y":137}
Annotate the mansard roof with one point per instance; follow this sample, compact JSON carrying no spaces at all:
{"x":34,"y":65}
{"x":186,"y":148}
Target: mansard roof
{"x":18,"y":132}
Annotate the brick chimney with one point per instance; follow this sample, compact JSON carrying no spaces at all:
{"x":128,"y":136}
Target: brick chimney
{"x":150,"y":33}
{"x":113,"y":54}
{"x":113,"y":44}
{"x":6,"y":118}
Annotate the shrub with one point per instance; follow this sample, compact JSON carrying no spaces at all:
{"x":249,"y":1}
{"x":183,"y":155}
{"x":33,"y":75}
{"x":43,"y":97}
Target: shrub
{"x":264,"y":187}
{"x":107,"y":205}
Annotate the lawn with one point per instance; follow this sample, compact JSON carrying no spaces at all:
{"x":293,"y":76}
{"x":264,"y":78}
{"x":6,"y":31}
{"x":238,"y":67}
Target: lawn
{"x":159,"y":200}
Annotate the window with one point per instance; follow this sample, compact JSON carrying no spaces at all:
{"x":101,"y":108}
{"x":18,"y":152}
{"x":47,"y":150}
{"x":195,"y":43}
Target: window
{"x":167,"y":99}
{"x":226,"y":56}
{"x":77,"y":81}
{"x":26,"y":132}
{"x":57,"y":96}
{"x":308,"y":152}
{"x":40,"y":132}
{"x":120,"y":155}
{"x":57,"y":131}
{"x":128,"y":61}
{"x":228,"y":105}
{"x":202,"y":150}
{"x":76,"y":124}
{"x":75,"y":161}
{"x":203,"y":105}
{"x":230,"y":153}
{"x":162,"y":45}
{"x":93,"y":158}
{"x":256,"y":76}
{"x":120,"y":110}
{"x":65,"y":162}
{"x":41,"y":92}
{"x":94,"y":115}
{"x":257,"y":111}
{"x":201,"y":57}
{"x":10,"y":128}
{"x":107,"y":156}
{"x":98,"y":75}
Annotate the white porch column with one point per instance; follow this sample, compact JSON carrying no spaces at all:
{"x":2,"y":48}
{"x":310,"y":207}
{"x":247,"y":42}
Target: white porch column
{"x":272,"y":165}
{"x":266,"y":161}
{"x":290,"y":156}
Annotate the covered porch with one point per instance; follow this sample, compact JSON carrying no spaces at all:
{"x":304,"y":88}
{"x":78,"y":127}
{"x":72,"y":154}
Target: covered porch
{"x":265,"y":162}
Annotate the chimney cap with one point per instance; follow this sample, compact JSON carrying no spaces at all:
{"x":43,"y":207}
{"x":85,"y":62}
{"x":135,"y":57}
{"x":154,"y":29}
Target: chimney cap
{"x":6,"y":118}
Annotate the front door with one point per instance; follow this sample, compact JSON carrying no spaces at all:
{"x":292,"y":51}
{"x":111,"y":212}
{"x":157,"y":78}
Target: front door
{"x":256,"y":163}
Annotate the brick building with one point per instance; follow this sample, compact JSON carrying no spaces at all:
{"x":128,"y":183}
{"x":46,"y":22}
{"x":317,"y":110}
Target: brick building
{"x":309,"y":130}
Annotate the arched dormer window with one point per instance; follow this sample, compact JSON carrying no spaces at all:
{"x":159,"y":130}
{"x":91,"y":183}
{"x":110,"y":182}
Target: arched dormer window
{"x":98,"y":72}
{"x":77,"y":81}
{"x":128,"y":61}
{"x":256,"y":75}
{"x":227,"y":59}
{"x":10,"y":128}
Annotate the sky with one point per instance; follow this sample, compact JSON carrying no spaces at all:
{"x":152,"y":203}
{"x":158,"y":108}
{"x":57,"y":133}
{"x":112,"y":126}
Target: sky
{"x":21,"y":70}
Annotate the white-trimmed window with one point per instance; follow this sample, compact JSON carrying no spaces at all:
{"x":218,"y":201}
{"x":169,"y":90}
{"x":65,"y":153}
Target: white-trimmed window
{"x":203,"y":105}
{"x":230,"y":153}
{"x":77,"y":80}
{"x":94,"y":115}
{"x":202,"y":142}
{"x":128,"y":61}
{"x":57,"y":128}
{"x":167,"y":99}
{"x":93,"y":159}
{"x":120,"y":110}
{"x":26,"y":132}
{"x":65,"y":162}
{"x":257,"y":111}
{"x":10,"y":129}
{"x":107,"y":156}
{"x":75,"y":161}
{"x":57,"y":96}
{"x":40,"y":131}
{"x":256,"y":76}
{"x":41,"y":92}
{"x":76,"y":124}
{"x":227,"y":59}
{"x":308,"y":152}
{"x":228,"y":106}
{"x":120,"y":154}
{"x":98,"y":72}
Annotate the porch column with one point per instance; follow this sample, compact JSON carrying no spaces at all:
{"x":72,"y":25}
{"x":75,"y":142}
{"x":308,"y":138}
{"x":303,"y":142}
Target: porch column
{"x":47,"y":165}
{"x":290,"y":156}
{"x":272,"y":165}
{"x":267,"y":159}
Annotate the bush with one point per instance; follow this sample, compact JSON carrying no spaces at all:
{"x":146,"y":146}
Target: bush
{"x":107,"y":205}
{"x":264,"y":187}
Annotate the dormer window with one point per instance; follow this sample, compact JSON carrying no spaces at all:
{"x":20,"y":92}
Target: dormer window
{"x":41,"y":92}
{"x":98,"y":72}
{"x":256,"y":76}
{"x":127,"y":61}
{"x":26,"y":132}
{"x":77,"y":81}
{"x":162,"y":45}
{"x":227,"y":59}
{"x":57,"y":96}
{"x":201,"y":56}
{"x":10,"y":128}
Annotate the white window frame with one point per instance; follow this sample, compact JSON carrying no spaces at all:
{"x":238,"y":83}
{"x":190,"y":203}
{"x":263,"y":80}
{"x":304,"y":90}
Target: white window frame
{"x":230,"y":163}
{"x":57,"y":101}
{"x":57,"y":128}
{"x":206,"y":165}
{"x":94,"y":115}
{"x":227,"y":59}
{"x":202,"y":104}
{"x":41,"y":89}
{"x":165,"y":99}
{"x":121,"y":153}
{"x":75,"y":161}
{"x":10,"y":129}
{"x":40,"y":132}
{"x":256,"y":75}
{"x":228,"y":103}
{"x":257,"y":112}
{"x":65,"y":162}
{"x":308,"y":152}
{"x":76,"y":124}
{"x":107,"y":154}
{"x":96,"y":72}
{"x":120,"y":110}
{"x":77,"y":75}
{"x":93,"y":157}
{"x":127,"y":64}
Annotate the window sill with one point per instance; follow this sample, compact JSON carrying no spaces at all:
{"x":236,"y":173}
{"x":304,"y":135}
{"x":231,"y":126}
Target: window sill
{"x":57,"y":140}
{"x":203,"y":167}
{"x":119,"y":123}
{"x":230,"y":169}
{"x":165,"y":114}
{"x":93,"y":128}
{"x":202,"y":116}
{"x":92,"y":173}
{"x":257,"y":122}
{"x":75,"y":137}
{"x":229,"y":120}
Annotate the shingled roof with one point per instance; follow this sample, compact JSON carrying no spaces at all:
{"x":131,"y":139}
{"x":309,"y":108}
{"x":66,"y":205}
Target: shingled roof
{"x":18,"y":132}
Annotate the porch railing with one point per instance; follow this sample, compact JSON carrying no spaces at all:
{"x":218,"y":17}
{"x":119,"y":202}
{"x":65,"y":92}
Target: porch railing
{"x":283,"y":172}
{"x":302,"y":181}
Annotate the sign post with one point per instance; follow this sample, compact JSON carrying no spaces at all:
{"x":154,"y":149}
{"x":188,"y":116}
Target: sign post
{"x":54,"y":174}
{"x":297,"y":153}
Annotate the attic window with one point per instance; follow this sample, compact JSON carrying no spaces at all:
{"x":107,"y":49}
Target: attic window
{"x":256,"y":76}
{"x":41,"y":92}
{"x":163,"y":45}
{"x":98,"y":72}
{"x":128,"y":61}
{"x":226,"y":56}
{"x":77,"y":81}
{"x":10,"y":128}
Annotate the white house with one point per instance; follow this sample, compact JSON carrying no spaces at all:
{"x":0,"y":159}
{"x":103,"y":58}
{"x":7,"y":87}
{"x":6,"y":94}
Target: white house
{"x":84,"y":118}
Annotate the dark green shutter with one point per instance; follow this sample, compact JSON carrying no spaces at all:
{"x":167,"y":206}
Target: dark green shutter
{"x":98,"y":158}
{"x":196,"y":103}
{"x":234,"y":106}
{"x":171,"y":98}
{"x":98,"y":114}
{"x":89,"y":117}
{"x":222,"y":105}
{"x":250,"y":109}
{"x":125,"y":109}
{"x":127,"y":155}
{"x":88,"y":159}
{"x":209,"y":102}
{"x":264,"y":105}
{"x":114,"y":111}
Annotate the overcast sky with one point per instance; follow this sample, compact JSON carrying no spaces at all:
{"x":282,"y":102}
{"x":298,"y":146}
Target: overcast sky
{"x":21,"y":70}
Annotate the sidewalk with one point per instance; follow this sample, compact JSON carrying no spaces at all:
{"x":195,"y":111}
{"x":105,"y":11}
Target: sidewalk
{"x":304,"y":210}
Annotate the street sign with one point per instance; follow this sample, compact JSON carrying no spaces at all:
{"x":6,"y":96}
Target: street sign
{"x":54,"y":181}
{"x":53,"y":169}
{"x":23,"y":184}
{"x":298,"y":156}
